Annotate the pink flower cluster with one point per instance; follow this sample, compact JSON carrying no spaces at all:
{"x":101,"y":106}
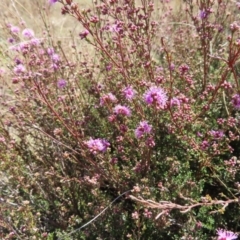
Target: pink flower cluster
{"x":156,"y":96}
{"x":97,"y":145}
{"x":129,"y":93}
{"x":143,"y":128}
{"x":107,"y":98}
{"x":226,"y":235}
{"x":236,"y":101}
{"x":122,"y":110}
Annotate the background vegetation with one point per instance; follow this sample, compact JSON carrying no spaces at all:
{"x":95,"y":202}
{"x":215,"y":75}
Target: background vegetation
{"x":123,"y":112}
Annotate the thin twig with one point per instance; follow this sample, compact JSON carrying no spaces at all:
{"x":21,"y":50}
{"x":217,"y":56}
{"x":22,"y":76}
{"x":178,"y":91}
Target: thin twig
{"x":166,"y":206}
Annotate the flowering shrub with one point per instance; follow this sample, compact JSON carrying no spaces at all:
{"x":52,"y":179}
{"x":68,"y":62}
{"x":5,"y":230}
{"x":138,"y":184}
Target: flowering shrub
{"x":139,"y":140}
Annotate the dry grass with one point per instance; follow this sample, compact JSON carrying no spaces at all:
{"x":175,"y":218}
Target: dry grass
{"x":39,"y":16}
{"x":35,"y":13}
{"x":42,"y":18}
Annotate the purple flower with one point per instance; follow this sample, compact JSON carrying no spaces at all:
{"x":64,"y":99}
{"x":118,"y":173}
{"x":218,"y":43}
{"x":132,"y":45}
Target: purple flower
{"x":61,"y":83}
{"x":175,"y":102}
{"x":17,"y":61}
{"x":156,"y":96}
{"x":113,"y":28}
{"x":172,"y":67}
{"x":28,"y":33}
{"x":150,"y":142}
{"x":35,"y":41}
{"x":217,"y":134}
{"x":54,"y":66}
{"x":143,"y":128}
{"x":226,"y":235}
{"x":204,"y":145}
{"x":199,"y":134}
{"x":55,"y":58}
{"x":11,"y":40}
{"x":97,"y":145}
{"x":122,"y":110}
{"x":234,"y":26}
{"x":129,"y":92}
{"x":19,"y":69}
{"x":15,"y":29}
{"x":236,"y":101}
{"x":52,"y":1}
{"x":50,"y":51}
{"x":117,"y":27}
{"x":107,"y":98}
{"x":23,"y":46}
{"x":108,"y":67}
{"x":203,"y":14}
{"x":183,"y":69}
{"x":84,"y":34}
